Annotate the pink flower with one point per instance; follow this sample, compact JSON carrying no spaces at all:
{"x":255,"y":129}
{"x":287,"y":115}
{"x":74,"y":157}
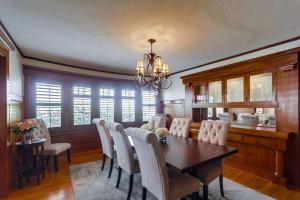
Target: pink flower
{"x":22,"y":128}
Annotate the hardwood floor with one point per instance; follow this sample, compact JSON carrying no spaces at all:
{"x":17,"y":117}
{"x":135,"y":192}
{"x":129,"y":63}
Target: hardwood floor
{"x":57,"y":186}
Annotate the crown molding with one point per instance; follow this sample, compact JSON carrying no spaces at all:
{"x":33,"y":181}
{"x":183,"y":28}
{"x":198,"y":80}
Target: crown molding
{"x":127,"y":74}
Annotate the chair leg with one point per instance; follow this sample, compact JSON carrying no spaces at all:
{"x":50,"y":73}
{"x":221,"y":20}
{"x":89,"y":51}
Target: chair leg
{"x":111,"y":167}
{"x":205,"y":192}
{"x":119,"y":176}
{"x":103,"y":162}
{"x":55,"y":163}
{"x":221,"y":185}
{"x":195,"y":196}
{"x":144,"y":195}
{"x":69,"y":155}
{"x":130,"y":186}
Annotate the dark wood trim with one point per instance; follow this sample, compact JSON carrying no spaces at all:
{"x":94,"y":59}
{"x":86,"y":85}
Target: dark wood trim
{"x":37,"y":70}
{"x":277,"y":60}
{"x":4,"y":137}
{"x":76,"y":66}
{"x":10,"y":37}
{"x":237,"y":55}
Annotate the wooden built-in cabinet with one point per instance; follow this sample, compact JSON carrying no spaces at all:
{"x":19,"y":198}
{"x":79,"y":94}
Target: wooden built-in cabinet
{"x":262,"y":151}
{"x":215,"y":93}
{"x":270,"y":81}
{"x":235,"y":91}
{"x":200,"y":94}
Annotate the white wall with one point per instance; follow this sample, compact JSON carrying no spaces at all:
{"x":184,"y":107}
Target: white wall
{"x":15,"y":67}
{"x":63,"y":68}
{"x":15,"y":74}
{"x":177,"y":90}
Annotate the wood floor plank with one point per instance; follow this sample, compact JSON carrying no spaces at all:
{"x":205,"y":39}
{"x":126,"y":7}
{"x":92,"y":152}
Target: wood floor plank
{"x":58,"y":186}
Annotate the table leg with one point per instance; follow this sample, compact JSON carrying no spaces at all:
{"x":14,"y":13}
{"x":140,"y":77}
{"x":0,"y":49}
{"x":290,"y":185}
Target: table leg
{"x":37,"y":171}
{"x":42,"y":160}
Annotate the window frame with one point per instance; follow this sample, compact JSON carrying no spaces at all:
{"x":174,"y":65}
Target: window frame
{"x":107,"y":97}
{"x":149,"y":105}
{"x":35,"y":104}
{"x":135,"y":105}
{"x":79,"y":126}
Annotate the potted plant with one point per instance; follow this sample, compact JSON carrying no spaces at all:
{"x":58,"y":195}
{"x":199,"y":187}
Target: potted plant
{"x":24,"y":130}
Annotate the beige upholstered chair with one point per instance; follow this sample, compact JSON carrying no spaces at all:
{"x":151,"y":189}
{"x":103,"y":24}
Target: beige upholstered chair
{"x":214,"y":132}
{"x":157,"y":121}
{"x":180,"y":127}
{"x":107,"y":143}
{"x":164,"y":184}
{"x":125,"y":154}
{"x":50,"y":149}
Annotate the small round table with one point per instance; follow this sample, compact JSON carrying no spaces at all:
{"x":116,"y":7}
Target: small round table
{"x":30,"y":151}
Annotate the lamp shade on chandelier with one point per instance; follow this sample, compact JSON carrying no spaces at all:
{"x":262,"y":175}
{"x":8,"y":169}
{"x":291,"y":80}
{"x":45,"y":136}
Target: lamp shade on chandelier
{"x":152,"y":73}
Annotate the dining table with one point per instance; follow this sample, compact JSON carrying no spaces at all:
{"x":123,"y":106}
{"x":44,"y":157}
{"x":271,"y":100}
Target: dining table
{"x":186,"y":154}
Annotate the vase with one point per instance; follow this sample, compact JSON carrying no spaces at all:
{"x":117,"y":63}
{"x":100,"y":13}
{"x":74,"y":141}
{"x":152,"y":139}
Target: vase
{"x":27,"y":137}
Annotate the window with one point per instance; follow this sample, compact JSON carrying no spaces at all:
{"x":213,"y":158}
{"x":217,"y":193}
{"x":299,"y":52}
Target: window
{"x":107,"y":104}
{"x":149,"y":105}
{"x":82,"y":105}
{"x":48,"y":103}
{"x":128,"y":105}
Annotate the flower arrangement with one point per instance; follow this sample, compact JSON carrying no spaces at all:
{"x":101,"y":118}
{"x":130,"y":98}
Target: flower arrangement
{"x":24,"y":129}
{"x":162,"y":131}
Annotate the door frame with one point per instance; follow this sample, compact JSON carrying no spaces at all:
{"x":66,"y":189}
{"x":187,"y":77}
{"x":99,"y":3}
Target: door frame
{"x":4,"y":134}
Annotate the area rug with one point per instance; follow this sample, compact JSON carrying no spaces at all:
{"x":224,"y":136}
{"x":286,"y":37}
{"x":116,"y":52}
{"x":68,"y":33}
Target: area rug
{"x":89,"y":183}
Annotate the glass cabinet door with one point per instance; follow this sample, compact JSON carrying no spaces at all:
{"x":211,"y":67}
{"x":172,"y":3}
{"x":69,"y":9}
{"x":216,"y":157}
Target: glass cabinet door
{"x":200,"y":93}
{"x":235,"y":90}
{"x":261,"y":87}
{"x":215,"y":92}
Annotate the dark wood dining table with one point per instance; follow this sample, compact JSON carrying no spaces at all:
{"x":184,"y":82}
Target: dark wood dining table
{"x":186,"y":154}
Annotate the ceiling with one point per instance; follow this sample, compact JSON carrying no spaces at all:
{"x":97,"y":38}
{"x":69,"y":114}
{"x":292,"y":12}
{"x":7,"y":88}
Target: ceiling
{"x":112,"y":34}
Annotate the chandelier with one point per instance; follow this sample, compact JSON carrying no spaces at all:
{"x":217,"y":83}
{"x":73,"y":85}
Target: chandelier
{"x":152,"y":73}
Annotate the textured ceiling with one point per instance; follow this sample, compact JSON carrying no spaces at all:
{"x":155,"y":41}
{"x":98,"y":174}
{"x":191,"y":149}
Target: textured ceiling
{"x":112,"y":34}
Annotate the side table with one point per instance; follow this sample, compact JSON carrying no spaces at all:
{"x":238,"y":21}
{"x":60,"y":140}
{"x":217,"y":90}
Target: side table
{"x":30,"y":158}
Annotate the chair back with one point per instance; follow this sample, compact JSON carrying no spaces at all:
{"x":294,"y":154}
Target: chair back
{"x":41,"y":132}
{"x":214,"y":132}
{"x":105,"y":137}
{"x":158,"y":121}
{"x":122,"y":146}
{"x":180,"y":127}
{"x":152,"y":163}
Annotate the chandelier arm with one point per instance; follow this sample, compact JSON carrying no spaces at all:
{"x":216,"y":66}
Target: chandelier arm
{"x":153,"y":78}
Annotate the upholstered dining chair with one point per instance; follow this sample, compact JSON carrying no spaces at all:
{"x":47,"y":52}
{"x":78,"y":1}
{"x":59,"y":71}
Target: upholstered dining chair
{"x":164,"y":184}
{"x":214,"y":132}
{"x":50,"y":149}
{"x":125,"y":154}
{"x":157,"y":121}
{"x":180,"y":127}
{"x":107,"y":143}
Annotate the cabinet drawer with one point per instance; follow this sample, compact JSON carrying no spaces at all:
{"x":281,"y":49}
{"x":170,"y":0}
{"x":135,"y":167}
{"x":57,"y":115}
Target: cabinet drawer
{"x":258,"y":141}
{"x":235,"y":137}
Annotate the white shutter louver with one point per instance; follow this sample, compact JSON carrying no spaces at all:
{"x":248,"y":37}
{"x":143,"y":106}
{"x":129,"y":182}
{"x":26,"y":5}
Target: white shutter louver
{"x":149,"y":105}
{"x":48,"y":103}
{"x":107,"y":104}
{"x":82,"y":105}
